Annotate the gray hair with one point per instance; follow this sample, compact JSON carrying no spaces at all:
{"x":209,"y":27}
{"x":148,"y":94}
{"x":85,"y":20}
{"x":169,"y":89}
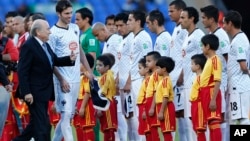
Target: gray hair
{"x":36,"y":26}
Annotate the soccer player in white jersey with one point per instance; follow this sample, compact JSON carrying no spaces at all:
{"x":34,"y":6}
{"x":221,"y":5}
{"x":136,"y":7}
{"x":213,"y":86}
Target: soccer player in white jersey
{"x":141,"y":45}
{"x":110,"y":23}
{"x":238,"y":74}
{"x":155,"y":23}
{"x":111,"y":42}
{"x":63,"y":40}
{"x":210,"y":16}
{"x":178,"y":36}
{"x":191,"y":46}
{"x":111,"y":45}
{"x":127,"y":107}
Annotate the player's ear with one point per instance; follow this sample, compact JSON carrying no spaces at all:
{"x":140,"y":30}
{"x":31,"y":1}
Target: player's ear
{"x":208,"y":46}
{"x":58,"y":14}
{"x":107,"y":67}
{"x":164,"y":69}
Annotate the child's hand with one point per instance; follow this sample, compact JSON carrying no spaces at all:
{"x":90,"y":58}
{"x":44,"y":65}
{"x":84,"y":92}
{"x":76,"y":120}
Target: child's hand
{"x":81,"y":112}
{"x":160,"y":116}
{"x":144,"y":115}
{"x":212,"y":105}
{"x":151,"y":112}
{"x":9,"y":88}
{"x":76,"y":111}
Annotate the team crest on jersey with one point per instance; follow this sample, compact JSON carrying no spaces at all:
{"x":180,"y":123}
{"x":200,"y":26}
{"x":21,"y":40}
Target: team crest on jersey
{"x":178,"y":32}
{"x":76,"y":32}
{"x":183,"y":53}
{"x":73,"y":45}
{"x":189,"y":42}
{"x":119,"y":55}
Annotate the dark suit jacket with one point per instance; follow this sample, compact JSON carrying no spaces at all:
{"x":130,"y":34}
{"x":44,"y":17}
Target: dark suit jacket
{"x":35,"y":72}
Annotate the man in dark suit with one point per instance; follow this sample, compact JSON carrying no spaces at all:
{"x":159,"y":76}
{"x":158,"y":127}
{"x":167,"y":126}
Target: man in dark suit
{"x":35,"y":71}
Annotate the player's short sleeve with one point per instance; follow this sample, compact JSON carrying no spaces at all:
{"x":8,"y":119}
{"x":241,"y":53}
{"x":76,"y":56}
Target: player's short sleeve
{"x":224,"y":46}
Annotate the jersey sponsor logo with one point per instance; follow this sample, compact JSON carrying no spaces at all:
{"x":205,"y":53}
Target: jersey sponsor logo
{"x":92,"y":42}
{"x":73,"y":45}
{"x":179,"y":105}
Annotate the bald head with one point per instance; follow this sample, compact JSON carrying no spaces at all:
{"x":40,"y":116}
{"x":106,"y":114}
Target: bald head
{"x":100,"y":31}
{"x":18,"y":25}
{"x":98,"y":26}
{"x":40,"y":29}
{"x":19,"y":18}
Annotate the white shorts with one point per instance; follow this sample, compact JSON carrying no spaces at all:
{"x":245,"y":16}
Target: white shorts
{"x":179,"y":98}
{"x":187,"y":108}
{"x":223,"y":98}
{"x":239,"y":104}
{"x":135,"y":88}
{"x":66,"y":102}
{"x":128,"y":104}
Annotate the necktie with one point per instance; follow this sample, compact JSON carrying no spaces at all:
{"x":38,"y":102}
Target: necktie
{"x":47,"y":53}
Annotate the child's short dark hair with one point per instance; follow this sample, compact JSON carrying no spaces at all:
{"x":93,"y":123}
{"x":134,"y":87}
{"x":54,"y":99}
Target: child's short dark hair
{"x":199,"y":59}
{"x":90,"y":60}
{"x":105,"y":60}
{"x":211,"y":40}
{"x":166,"y":62}
{"x":111,"y":58}
{"x":142,"y":61}
{"x":156,"y":55}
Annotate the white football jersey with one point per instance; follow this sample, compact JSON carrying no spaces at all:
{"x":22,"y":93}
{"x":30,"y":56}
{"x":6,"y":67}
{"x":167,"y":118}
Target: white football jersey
{"x":124,"y":58}
{"x":63,"y":41}
{"x":191,"y":46}
{"x":163,"y":43}
{"x":111,"y":46}
{"x":141,"y":45}
{"x":239,"y":50}
{"x":178,"y":37}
